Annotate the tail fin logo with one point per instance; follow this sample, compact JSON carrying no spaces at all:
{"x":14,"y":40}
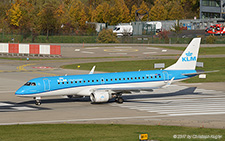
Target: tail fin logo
{"x":188,"y":57}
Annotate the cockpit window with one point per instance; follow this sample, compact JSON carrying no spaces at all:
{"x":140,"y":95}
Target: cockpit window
{"x":30,"y":84}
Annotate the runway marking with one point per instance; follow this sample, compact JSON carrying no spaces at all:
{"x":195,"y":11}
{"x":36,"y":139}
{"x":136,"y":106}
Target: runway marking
{"x":12,"y":107}
{"x":123,"y":47}
{"x":22,"y":67}
{"x":87,"y":52}
{"x":149,"y":52}
{"x":23,"y":108}
{"x":121,"y":50}
{"x":77,"y":50}
{"x":152,"y":48}
{"x":92,"y":48}
{"x":5,"y":104}
{"x":83,"y":120}
{"x":118,"y":53}
{"x":180,"y":105}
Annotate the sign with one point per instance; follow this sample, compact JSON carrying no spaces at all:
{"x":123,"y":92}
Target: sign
{"x":159,"y":65}
{"x":143,"y":137}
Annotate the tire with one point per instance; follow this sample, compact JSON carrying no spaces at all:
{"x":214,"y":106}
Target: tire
{"x":120,"y":100}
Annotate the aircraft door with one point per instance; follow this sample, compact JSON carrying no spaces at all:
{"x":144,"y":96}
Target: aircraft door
{"x":46,"y":84}
{"x":165,"y":76}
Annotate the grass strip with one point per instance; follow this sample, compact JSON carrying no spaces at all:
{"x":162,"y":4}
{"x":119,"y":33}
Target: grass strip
{"x":202,"y":50}
{"x":101,"y":132}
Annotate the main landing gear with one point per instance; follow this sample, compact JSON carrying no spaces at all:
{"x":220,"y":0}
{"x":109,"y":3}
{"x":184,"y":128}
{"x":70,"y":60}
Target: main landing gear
{"x":38,"y":101}
{"x":119,"y":100}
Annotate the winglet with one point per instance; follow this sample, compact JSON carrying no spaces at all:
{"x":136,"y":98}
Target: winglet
{"x":92,"y":70}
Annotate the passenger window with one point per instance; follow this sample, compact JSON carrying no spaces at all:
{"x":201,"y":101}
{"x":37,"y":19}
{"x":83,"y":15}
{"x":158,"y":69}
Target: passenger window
{"x":88,"y":80}
{"x":131,"y":78}
{"x":119,"y":78}
{"x":93,"y":81}
{"x":67,"y":82}
{"x":139,"y":78}
{"x":151,"y":77}
{"x":127,"y":78}
{"x":71,"y":82}
{"x":62,"y":82}
{"x":75,"y":81}
{"x":123,"y":78}
{"x":147,"y":77}
{"x":80,"y":81}
{"x":156,"y":76}
{"x":96,"y":80}
{"x":143,"y":77}
{"x":115,"y":79}
{"x":58,"y":82}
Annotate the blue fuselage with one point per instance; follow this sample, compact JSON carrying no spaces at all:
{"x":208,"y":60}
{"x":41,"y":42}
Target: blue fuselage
{"x":43,"y":85}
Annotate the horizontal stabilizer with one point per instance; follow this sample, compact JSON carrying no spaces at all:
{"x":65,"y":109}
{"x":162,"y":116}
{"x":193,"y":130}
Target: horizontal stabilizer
{"x":200,"y":72}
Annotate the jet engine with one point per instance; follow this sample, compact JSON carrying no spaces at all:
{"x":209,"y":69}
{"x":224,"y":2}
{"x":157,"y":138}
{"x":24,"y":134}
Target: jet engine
{"x":99,"y":97}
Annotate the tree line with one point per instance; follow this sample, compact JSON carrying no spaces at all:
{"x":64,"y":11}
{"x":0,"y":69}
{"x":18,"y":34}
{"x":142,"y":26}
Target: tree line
{"x":74,"y":16}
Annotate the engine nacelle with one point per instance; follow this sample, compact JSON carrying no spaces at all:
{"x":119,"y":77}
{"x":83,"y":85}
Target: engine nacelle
{"x":98,"y":97}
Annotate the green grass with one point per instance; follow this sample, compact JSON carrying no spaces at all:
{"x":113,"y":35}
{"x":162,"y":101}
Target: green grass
{"x":96,"y":132}
{"x":209,"y":64}
{"x":202,"y":51}
{"x":52,"y":39}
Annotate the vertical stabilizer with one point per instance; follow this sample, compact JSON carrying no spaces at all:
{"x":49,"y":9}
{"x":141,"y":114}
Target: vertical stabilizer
{"x":188,"y":59}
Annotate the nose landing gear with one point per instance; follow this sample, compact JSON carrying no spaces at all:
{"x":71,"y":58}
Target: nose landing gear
{"x":38,"y":101}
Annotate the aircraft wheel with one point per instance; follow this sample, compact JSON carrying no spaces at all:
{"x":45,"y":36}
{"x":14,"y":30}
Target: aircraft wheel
{"x":38,"y":103}
{"x":120,"y":100}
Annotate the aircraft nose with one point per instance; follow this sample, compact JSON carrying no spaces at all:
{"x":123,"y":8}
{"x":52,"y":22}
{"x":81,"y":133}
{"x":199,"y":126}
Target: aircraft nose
{"x":20,"y":91}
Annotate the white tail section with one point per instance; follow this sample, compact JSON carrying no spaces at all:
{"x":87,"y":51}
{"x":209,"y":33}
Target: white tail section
{"x":188,"y":59}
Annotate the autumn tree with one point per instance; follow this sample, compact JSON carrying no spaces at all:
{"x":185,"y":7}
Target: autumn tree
{"x":158,"y":11}
{"x":3,"y":19}
{"x":144,"y":8}
{"x":20,"y":17}
{"x":47,"y":19}
{"x":119,"y":13}
{"x":191,"y":8}
{"x":14,"y":15}
{"x":101,"y":13}
{"x":176,"y":11}
{"x":107,"y":36}
{"x":133,"y":10}
{"x":78,"y":15}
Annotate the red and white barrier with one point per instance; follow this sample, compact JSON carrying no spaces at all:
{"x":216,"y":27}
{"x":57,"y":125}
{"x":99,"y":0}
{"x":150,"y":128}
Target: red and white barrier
{"x":30,"y":49}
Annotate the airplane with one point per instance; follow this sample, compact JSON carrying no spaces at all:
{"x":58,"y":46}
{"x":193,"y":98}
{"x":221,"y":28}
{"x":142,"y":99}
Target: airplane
{"x":105,"y":86}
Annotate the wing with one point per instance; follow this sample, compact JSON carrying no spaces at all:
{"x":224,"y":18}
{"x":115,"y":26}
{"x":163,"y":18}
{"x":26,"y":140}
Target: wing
{"x":126,"y":89}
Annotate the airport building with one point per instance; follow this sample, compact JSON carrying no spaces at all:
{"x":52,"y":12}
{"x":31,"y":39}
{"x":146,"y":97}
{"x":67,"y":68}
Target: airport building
{"x":212,"y":9}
